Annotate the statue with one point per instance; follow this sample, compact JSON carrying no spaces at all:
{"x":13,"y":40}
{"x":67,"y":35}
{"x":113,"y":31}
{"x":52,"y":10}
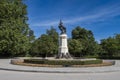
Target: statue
{"x":63,"y":51}
{"x":62,"y":28}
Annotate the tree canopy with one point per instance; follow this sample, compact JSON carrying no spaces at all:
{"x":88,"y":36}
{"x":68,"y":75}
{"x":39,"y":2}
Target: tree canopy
{"x":14,"y":30}
{"x":46,"y":44}
{"x":111,"y":46}
{"x":86,"y":40}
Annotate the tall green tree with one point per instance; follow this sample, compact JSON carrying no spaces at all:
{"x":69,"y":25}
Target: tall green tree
{"x":86,"y":39}
{"x":14,"y":29}
{"x":53,"y":34}
{"x":31,"y":36}
{"x":46,"y":44}
{"x":75,"y":47}
{"x":111,"y":46}
{"x":117,"y":37}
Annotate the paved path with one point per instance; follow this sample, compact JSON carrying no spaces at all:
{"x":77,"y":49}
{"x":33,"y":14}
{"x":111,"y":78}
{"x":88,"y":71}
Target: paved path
{"x":5,"y":65}
{"x":91,"y":73}
{"x":13,"y":75}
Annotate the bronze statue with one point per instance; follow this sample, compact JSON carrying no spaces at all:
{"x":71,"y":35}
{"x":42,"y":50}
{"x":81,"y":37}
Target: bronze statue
{"x":62,"y":28}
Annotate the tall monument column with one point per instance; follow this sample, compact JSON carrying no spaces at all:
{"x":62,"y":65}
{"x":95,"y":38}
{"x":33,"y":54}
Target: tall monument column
{"x":63,"y":51}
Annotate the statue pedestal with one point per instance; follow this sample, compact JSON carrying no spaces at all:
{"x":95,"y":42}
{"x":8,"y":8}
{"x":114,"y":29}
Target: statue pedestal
{"x":63,"y":48}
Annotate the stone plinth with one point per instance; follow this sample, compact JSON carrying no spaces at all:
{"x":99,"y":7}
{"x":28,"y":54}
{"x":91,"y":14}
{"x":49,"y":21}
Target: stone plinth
{"x":63,"y":47}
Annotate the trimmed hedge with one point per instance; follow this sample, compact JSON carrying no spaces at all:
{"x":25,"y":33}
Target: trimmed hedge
{"x":62,"y":62}
{"x":35,"y":61}
{"x":108,"y":57}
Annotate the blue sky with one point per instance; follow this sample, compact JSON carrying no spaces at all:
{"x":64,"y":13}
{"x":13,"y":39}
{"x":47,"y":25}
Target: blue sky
{"x":102,"y":17}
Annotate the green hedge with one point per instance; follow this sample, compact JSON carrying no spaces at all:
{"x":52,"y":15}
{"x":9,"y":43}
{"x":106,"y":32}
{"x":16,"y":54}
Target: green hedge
{"x":35,"y":61}
{"x":62,"y":62}
{"x":108,"y":57}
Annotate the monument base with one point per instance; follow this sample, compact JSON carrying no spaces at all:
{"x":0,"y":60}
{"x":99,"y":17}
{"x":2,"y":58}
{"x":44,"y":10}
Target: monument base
{"x":63,"y":48}
{"x":64,"y":56}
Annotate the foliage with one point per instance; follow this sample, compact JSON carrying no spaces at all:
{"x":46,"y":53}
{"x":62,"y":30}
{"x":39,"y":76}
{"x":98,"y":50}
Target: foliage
{"x":75,"y":47}
{"x":82,"y":33}
{"x":46,"y":44}
{"x":111,"y":46}
{"x":86,"y":40}
{"x":31,"y":36}
{"x":13,"y":28}
{"x":62,"y":62}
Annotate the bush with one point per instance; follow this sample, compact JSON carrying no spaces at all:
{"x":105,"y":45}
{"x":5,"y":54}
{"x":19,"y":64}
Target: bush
{"x":110,"y":57}
{"x":98,"y":61}
{"x":35,"y":61}
{"x":62,"y":62}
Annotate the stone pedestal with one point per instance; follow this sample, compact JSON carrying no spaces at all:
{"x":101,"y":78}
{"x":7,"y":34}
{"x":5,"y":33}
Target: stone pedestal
{"x":63,"y":47}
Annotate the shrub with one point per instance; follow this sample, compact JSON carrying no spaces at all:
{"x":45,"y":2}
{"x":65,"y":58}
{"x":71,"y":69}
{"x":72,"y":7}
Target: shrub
{"x":92,"y":62}
{"x":62,"y":62}
{"x":108,"y":57}
{"x":35,"y":61}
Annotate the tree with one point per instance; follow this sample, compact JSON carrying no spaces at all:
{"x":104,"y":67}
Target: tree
{"x":53,"y":34}
{"x":46,"y":44}
{"x":13,"y":28}
{"x":75,"y":47}
{"x":31,"y":36}
{"x":87,"y":40}
{"x":82,"y":34}
{"x":111,"y":46}
{"x":117,"y":37}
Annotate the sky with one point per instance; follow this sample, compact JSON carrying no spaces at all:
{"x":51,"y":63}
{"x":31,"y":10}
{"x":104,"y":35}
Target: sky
{"x":102,"y":17}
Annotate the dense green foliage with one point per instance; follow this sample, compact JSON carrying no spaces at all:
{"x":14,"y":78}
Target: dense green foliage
{"x":83,"y":43}
{"x":14,"y":30}
{"x":62,"y":62}
{"x":111,"y":47}
{"x":75,"y":47}
{"x":46,"y":44}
